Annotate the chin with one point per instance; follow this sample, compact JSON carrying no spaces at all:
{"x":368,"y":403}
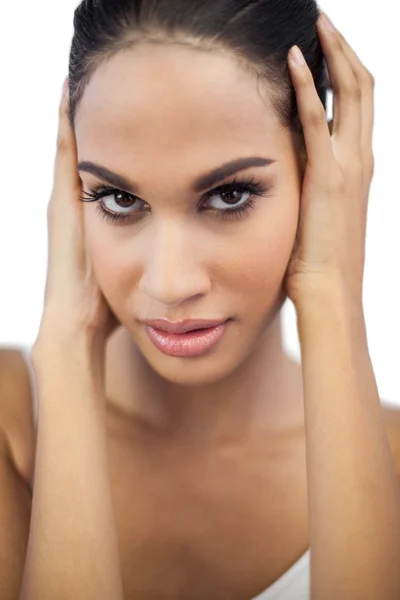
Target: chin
{"x":194,"y":371}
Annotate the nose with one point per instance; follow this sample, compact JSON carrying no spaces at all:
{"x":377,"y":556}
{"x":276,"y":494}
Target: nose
{"x":173,"y":272}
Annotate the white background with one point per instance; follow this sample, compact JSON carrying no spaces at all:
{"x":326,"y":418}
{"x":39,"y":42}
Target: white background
{"x":34,"y":47}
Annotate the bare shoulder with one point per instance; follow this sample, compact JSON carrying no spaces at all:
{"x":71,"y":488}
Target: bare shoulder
{"x":391,"y":415}
{"x":16,"y":410}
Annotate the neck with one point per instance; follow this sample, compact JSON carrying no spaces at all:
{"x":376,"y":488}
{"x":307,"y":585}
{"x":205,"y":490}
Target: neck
{"x":263,"y":395}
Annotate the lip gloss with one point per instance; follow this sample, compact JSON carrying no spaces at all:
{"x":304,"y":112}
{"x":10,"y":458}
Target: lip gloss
{"x":191,"y":343}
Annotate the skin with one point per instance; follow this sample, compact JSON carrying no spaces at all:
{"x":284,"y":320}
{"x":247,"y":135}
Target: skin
{"x":184,"y":520}
{"x":176,"y":261}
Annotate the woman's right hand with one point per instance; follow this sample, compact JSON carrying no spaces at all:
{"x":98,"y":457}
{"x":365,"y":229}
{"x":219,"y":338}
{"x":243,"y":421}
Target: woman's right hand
{"x":74,"y":306}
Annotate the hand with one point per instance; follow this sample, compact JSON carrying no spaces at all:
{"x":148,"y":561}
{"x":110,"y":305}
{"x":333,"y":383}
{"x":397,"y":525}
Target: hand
{"x":74,"y":304}
{"x":330,"y":244}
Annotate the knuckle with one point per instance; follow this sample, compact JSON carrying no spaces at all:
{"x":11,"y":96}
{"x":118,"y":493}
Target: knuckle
{"x":337,"y":42}
{"x":305,"y":80}
{"x":353,"y":90}
{"x":62,"y":144}
{"x":336,"y":181}
{"x":370,"y":164}
{"x":317,"y":118}
{"x":339,"y":184}
{"x":371,"y":159}
{"x":369,"y":78}
{"x":371,"y":171}
{"x":355,"y":166}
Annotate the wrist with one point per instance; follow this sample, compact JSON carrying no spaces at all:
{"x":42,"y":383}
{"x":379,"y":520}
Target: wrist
{"x":70,"y":354}
{"x":327,"y":294}
{"x":330,"y":310}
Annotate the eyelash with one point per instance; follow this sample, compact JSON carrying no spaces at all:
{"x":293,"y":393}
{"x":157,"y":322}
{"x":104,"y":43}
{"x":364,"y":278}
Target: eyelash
{"x":255,"y":188}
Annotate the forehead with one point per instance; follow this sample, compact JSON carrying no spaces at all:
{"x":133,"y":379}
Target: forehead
{"x":160,"y":101}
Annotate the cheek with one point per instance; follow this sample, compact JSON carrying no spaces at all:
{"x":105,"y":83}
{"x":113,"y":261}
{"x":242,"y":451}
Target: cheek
{"x":263,"y":251}
{"x":110,"y":265}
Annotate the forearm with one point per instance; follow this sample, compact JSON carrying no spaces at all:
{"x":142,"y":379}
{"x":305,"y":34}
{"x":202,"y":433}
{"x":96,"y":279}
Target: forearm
{"x":73,"y":550}
{"x":353,"y":491}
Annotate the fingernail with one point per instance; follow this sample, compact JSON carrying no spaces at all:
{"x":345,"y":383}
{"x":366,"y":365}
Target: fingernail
{"x":297,"y":56}
{"x":327,"y":23}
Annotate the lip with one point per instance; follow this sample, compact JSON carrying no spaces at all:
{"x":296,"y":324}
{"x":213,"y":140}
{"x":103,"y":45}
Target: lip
{"x":190,"y":343}
{"x":182,"y":326}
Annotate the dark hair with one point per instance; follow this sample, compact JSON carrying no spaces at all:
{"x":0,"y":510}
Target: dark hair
{"x":259,"y":33}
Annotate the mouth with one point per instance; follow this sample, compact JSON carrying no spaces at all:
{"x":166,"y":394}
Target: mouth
{"x":183,"y":326}
{"x":192,"y":342}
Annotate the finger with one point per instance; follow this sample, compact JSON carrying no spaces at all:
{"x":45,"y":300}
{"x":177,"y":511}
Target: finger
{"x":66,"y":252}
{"x":347,"y":91}
{"x":313,"y":117}
{"x":367,"y":84}
{"x":66,"y":176}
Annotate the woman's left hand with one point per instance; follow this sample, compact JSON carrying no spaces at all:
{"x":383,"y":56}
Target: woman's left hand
{"x":330,"y":244}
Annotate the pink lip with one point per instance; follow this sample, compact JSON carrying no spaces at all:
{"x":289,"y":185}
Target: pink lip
{"x":182,"y":326}
{"x":192,"y":343}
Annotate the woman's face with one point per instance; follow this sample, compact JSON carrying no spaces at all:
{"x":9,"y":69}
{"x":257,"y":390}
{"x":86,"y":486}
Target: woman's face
{"x":162,"y":117}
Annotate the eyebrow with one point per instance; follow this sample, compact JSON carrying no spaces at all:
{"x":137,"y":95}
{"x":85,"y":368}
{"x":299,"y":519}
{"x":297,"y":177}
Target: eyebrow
{"x":200,"y":184}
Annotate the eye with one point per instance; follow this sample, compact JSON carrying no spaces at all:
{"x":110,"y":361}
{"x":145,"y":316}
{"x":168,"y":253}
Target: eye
{"x":232,"y":200}
{"x":121,"y":203}
{"x":114,"y":205}
{"x":229,"y":197}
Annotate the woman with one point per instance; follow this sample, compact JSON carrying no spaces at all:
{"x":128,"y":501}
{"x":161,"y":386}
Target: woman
{"x":207,"y":465}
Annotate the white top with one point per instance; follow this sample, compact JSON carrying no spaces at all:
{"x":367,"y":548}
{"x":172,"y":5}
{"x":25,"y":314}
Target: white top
{"x":292,"y":585}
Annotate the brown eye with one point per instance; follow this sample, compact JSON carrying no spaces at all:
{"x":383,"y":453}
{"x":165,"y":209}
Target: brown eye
{"x":232,"y":197}
{"x":120,"y":200}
